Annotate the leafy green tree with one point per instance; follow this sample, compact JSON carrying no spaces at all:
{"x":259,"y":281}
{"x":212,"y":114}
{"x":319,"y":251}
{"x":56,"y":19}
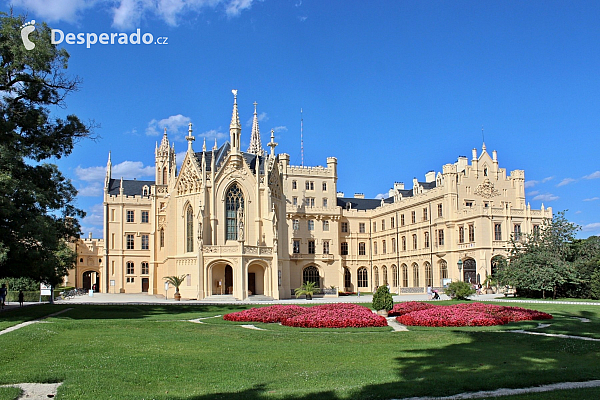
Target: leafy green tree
{"x":459,"y":290}
{"x":539,"y":262}
{"x":382,"y":299}
{"x":36,"y":201}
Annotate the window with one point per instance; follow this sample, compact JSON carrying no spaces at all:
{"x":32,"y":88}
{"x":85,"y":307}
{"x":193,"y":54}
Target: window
{"x":415,"y":268}
{"x":130,"y":214}
{"x":413,"y":216}
{"x":361,"y":227}
{"x":393,"y":245}
{"x":383,"y":224}
{"x":362,"y":249}
{"x":324,"y":186}
{"x":344,"y":227}
{"x":363,"y":277}
{"x":145,"y":219}
{"x":414,"y":237}
{"x":394,"y":276}
{"x":428,"y":275}
{"x":344,"y":248}
{"x":324,"y":202}
{"x":130,"y":242}
{"x":325,"y":226}
{"x":295,"y":200}
{"x":311,"y":224}
{"x":471,"y":233}
{"x":145,"y":268}
{"x":296,"y":224}
{"x":426,"y":240}
{"x":374,"y":227}
{"x":440,"y":237}
{"x":347,"y":278}
{"x":443,"y":270}
{"x":145,"y":242}
{"x":440,"y":213}
{"x":310,"y":202}
{"x":384,"y":275}
{"x":383,"y":247}
{"x":517,"y":231}
{"x":393,"y":222}
{"x":468,"y":204}
{"x":497,"y":231}
{"x":112,"y":214}
{"x":234,"y":207}
{"x":310,"y":185}
{"x":374,"y":247}
{"x":164,"y":176}
{"x":296,"y":247}
{"x":403,"y":243}
{"x":130,"y":279}
{"x":311,"y":274}
{"x":145,"y":191}
{"x":189,"y":229}
{"x":424,"y":214}
{"x":162,"y":237}
{"x":294,"y":185}
{"x":461,"y":234}
{"x":311,"y":247}
{"x":401,"y":219}
{"x":112,"y":241}
{"x":130,"y":269}
{"x":404,"y":275}
{"x":325,"y":246}
{"x":375,"y":276}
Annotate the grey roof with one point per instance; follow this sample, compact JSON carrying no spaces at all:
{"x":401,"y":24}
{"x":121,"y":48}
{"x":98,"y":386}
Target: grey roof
{"x":362,"y":204}
{"x":221,"y":154}
{"x":428,"y":185}
{"x":130,"y":187}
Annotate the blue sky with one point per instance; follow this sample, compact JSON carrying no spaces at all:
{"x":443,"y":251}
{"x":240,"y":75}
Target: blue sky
{"x":393,"y":89}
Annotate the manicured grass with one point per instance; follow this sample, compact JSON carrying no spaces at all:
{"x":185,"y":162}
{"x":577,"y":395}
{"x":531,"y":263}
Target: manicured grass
{"x":152,"y":352}
{"x":9,"y":393}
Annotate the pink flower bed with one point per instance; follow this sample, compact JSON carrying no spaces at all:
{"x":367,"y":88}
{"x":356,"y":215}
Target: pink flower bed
{"x":407,"y":307}
{"x":464,"y":314}
{"x":322,"y":316}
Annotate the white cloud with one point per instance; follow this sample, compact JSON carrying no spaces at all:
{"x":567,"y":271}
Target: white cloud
{"x":175,"y":125}
{"x":530,"y":184}
{"x":549,"y":178}
{"x":126,"y":169}
{"x":280,"y":129}
{"x":591,"y":227}
{"x":566,"y":181}
{"x":594,"y":175}
{"x":382,"y":196}
{"x":533,"y":193}
{"x":90,"y":174}
{"x":212,"y":134}
{"x":93,"y":221}
{"x":545,"y":197}
{"x":52,"y":11}
{"x":93,"y":190}
{"x":260,"y":117}
{"x":233,"y":8}
{"x":592,"y":199}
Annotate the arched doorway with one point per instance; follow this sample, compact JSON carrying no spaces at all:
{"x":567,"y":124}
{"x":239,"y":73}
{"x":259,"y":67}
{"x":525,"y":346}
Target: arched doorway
{"x":89,"y":279}
{"x":470,"y":271}
{"x":256,"y":279}
{"x":228,"y":279}
{"x":222,"y":279}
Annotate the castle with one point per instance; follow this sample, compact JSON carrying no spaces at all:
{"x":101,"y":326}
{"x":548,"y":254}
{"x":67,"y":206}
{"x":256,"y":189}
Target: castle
{"x":244,"y":224}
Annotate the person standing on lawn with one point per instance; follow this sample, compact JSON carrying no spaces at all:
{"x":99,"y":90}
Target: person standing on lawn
{"x":3,"y":293}
{"x":21,"y":298}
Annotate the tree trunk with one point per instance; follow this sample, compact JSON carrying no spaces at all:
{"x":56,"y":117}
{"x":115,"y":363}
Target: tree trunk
{"x":544,"y":294}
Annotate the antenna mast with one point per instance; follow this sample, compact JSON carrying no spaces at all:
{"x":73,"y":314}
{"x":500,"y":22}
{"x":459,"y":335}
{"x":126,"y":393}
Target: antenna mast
{"x":301,"y":139}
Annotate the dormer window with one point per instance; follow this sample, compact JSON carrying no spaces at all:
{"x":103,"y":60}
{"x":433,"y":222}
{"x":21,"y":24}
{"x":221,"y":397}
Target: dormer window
{"x":485,"y":171}
{"x":145,"y":191}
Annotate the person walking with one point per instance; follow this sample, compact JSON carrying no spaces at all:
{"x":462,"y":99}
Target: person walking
{"x":3,"y":293}
{"x":429,"y":292}
{"x":21,"y":298}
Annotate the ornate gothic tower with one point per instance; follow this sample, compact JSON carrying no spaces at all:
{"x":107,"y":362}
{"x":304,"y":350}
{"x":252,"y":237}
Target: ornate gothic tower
{"x":255,"y":142}
{"x":165,"y":162}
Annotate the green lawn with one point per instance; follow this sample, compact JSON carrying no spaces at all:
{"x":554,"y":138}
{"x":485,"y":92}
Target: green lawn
{"x":152,"y":352}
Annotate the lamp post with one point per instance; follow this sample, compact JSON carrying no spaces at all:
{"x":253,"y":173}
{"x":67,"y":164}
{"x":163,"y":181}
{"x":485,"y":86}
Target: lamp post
{"x":459,"y":264}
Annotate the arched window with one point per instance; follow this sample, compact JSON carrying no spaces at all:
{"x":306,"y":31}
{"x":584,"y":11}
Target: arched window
{"x":384,"y":275}
{"x":394,"y":276}
{"x":145,"y":268}
{"x":404,"y":275}
{"x":375,"y":276}
{"x":311,"y":274}
{"x":164,"y":176}
{"x":363,"y":277}
{"x":189,"y":229}
{"x":415,"y":269}
{"x":443,"y":271}
{"x":347,"y":278}
{"x":428,"y":275}
{"x":234,"y":202}
{"x":470,"y":270}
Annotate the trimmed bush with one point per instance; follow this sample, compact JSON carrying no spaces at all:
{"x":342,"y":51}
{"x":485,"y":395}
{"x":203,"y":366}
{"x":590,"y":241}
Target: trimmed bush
{"x":459,"y":290}
{"x":30,"y":295}
{"x":382,"y":299}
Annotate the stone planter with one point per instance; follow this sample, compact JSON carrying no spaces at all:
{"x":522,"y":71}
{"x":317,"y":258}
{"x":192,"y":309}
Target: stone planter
{"x":383,"y":313}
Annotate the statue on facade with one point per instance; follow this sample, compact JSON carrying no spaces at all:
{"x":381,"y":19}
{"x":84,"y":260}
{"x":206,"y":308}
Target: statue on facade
{"x":240,"y":219}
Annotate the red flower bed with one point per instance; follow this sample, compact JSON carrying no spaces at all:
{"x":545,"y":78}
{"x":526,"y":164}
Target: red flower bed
{"x":407,"y":307}
{"x":323,"y":316}
{"x":467,"y":314}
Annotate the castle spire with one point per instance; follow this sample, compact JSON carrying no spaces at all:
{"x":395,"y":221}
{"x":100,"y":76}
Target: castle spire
{"x":272,"y":143}
{"x":108,"y":171}
{"x":235,"y":128}
{"x":164,"y":143}
{"x":255,"y":142}
{"x":189,"y":137}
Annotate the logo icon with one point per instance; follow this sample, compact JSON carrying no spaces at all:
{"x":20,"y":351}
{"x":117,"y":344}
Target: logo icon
{"x":26,"y":29}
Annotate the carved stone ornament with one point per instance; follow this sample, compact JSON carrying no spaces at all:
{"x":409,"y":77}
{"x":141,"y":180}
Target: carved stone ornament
{"x":486,"y":189}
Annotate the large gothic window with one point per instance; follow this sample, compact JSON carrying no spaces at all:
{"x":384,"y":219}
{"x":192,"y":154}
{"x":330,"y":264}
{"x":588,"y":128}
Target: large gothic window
{"x":234,"y":202}
{"x":311,"y":274}
{"x":363,"y":277}
{"x":189,"y":229}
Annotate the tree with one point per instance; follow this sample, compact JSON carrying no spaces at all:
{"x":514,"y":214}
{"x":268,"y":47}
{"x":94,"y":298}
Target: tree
{"x":382,"y":299}
{"x":459,"y":290}
{"x":539,"y":262}
{"x":37,"y":213}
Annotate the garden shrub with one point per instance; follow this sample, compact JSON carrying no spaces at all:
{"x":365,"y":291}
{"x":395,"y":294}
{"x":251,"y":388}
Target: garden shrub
{"x":459,"y":290}
{"x":382,"y":299}
{"x":595,"y":285}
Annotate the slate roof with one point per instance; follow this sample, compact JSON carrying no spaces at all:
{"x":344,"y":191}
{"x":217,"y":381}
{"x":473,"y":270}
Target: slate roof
{"x":130,"y":187}
{"x":428,"y":185}
{"x":221,"y":154}
{"x":362,"y":204}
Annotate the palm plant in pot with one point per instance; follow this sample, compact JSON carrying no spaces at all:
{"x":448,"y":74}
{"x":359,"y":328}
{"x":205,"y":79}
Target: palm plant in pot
{"x":383,"y":301}
{"x":307,"y":289}
{"x":176,"y":281}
